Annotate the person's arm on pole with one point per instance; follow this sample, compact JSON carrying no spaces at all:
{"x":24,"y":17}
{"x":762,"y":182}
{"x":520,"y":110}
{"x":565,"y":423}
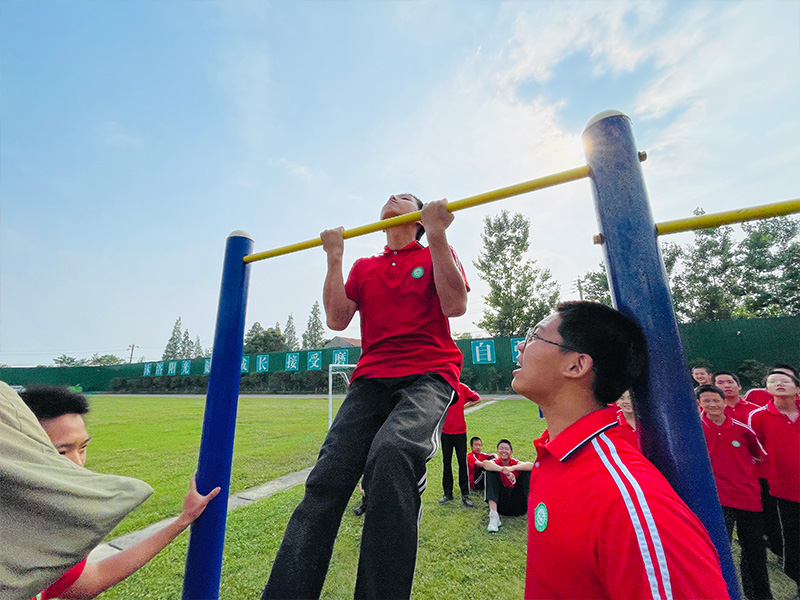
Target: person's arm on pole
{"x":339,"y":309}
{"x":447,"y":276}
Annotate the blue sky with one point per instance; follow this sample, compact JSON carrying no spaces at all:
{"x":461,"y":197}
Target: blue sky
{"x":135,"y":136}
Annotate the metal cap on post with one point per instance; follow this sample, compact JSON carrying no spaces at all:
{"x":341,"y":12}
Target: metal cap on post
{"x":670,"y":431}
{"x":207,"y":538}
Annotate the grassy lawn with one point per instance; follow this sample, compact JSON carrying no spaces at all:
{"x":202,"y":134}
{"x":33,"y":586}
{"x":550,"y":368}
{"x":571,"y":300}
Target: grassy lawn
{"x":156,"y":439}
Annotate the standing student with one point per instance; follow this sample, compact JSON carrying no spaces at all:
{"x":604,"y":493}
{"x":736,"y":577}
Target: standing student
{"x":602,"y":521}
{"x":702,"y":374}
{"x":507,"y":485}
{"x":454,"y":437}
{"x":734,"y":450}
{"x":735,"y":406}
{"x":60,"y":412}
{"x":760,"y":396}
{"x":778,"y":429}
{"x":389,"y":424}
{"x":626,"y":419}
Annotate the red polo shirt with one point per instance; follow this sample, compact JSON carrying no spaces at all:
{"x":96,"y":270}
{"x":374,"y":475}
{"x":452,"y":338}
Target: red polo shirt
{"x":758,"y":396}
{"x":403,"y":329}
{"x":781,"y":439}
{"x":472,"y":458}
{"x":454,"y":422}
{"x":604,"y":523}
{"x":627,"y":432}
{"x":741,"y":410}
{"x":732,"y":447}
{"x":511,"y":462}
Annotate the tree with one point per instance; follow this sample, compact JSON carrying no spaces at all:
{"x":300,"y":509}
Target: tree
{"x":519,"y":293}
{"x":315,"y":332}
{"x":173,"y":347}
{"x":197,"y":350}
{"x":104,"y":360}
{"x":187,"y":346}
{"x":68,"y":361}
{"x":594,"y":286}
{"x":291,"y":334}
{"x":262,"y":341}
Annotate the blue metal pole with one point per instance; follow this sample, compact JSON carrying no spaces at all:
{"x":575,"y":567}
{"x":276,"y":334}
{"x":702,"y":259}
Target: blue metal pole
{"x":207,"y":538}
{"x":670,"y":431}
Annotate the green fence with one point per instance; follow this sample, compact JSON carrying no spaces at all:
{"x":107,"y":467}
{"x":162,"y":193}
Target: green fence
{"x":745,"y":346}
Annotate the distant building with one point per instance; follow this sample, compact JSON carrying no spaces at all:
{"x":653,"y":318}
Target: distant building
{"x":343,"y":342}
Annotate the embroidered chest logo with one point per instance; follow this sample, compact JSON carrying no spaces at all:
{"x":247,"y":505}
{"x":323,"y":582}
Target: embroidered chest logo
{"x":735,"y":443}
{"x":540,"y":517}
{"x":418,"y":272}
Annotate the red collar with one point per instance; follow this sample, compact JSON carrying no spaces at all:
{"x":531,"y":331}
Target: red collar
{"x":415,"y":245}
{"x":728,"y":422}
{"x":577,"y":435}
{"x":774,"y":409}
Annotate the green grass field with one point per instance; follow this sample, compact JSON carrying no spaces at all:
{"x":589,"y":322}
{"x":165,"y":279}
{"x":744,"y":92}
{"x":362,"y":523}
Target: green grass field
{"x":156,"y":439}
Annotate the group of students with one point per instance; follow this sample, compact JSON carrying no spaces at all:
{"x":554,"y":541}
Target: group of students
{"x":754,"y":446}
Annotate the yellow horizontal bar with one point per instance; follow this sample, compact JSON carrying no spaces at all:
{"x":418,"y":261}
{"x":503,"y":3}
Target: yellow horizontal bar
{"x":506,"y":192}
{"x":776,"y":209}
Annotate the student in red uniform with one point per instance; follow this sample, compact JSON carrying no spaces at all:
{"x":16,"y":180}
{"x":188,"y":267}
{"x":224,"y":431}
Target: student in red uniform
{"x":778,"y":429}
{"x":60,"y":412}
{"x":389,"y":424}
{"x":735,"y":406}
{"x":602,"y":521}
{"x":626,"y":419}
{"x":734,"y":450}
{"x":760,"y":396}
{"x":507,"y":485}
{"x":702,"y":374}
{"x":475,"y":463}
{"x":454,"y":436}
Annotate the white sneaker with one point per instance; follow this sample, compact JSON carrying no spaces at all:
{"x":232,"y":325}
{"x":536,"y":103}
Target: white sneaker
{"x":494,"y":522}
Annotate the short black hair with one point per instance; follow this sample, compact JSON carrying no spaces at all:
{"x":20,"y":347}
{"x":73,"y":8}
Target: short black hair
{"x":51,"y":401}
{"x":505,"y":441}
{"x":702,"y":365}
{"x":420,"y":228}
{"x":708,"y":388}
{"x":615,"y":342}
{"x":774,"y":372}
{"x":786,"y":366}
{"x":474,"y":439}
{"x":731,"y":373}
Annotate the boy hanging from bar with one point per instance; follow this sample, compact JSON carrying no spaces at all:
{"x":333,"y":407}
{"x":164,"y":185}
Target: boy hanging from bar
{"x":389,"y":424}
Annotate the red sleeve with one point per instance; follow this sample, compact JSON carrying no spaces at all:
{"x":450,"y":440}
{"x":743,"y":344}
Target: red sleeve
{"x":353,"y":284}
{"x":467,"y":394}
{"x":65,"y":582}
{"x":460,"y":267}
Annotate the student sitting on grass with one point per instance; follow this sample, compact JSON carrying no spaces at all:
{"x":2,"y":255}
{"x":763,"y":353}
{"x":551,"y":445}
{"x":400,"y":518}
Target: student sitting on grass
{"x":60,"y":412}
{"x":507,"y":484}
{"x":474,"y":459}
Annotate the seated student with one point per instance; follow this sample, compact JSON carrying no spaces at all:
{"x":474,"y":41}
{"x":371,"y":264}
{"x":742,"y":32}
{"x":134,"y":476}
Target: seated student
{"x":761,"y":396}
{"x":626,"y":419}
{"x":735,"y":406}
{"x":474,"y":459}
{"x":60,"y":412}
{"x":454,"y":436}
{"x":507,"y":484}
{"x":777,"y":426}
{"x":733,"y":450}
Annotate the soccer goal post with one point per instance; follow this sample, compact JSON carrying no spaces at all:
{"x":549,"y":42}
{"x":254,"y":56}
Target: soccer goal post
{"x":343,"y":372}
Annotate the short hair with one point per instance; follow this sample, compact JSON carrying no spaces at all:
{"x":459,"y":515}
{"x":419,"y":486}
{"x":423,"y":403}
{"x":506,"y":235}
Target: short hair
{"x":505,"y":441}
{"x":703,"y":366}
{"x":474,"y":439}
{"x":786,"y":366}
{"x":708,"y":388}
{"x":615,"y":342}
{"x":420,"y":228}
{"x":774,"y":372}
{"x":731,"y":373}
{"x":51,"y":401}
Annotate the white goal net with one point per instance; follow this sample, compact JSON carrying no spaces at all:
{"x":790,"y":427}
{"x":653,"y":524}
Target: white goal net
{"x":338,"y":383}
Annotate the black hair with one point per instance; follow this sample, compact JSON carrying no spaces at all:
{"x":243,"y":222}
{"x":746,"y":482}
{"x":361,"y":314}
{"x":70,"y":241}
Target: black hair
{"x":420,"y":228}
{"x":708,"y":388}
{"x":505,"y":441}
{"x":51,"y":401}
{"x":786,"y":366}
{"x":473,"y":440}
{"x":702,"y":365}
{"x":774,"y":372}
{"x":615,"y":342}
{"x":732,"y":374}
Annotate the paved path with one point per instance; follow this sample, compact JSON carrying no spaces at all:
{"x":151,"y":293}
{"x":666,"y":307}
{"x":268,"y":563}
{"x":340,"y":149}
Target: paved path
{"x":237,"y":500}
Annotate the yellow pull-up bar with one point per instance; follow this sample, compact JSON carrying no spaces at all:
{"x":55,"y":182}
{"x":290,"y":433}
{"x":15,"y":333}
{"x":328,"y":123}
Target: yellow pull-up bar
{"x":776,"y":209}
{"x":506,"y":192}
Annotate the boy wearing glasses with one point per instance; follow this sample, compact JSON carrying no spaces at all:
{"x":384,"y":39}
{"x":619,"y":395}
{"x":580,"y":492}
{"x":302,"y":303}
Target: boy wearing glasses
{"x":389,"y":424}
{"x":602,"y":521}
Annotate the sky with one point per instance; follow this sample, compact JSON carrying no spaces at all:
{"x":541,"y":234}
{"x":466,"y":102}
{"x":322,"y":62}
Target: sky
{"x":135,"y":136}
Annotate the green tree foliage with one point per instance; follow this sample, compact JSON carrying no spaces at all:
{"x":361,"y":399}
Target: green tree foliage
{"x":261,"y":341}
{"x":187,"y":346}
{"x":519,"y":293}
{"x":291,"y":334}
{"x":104,"y":360}
{"x":173,"y":348}
{"x":313,"y":336}
{"x":68,"y":361}
{"x":594,"y":286}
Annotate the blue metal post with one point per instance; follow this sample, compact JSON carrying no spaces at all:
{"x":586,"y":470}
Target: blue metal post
{"x":670,"y":432}
{"x":207,"y":539}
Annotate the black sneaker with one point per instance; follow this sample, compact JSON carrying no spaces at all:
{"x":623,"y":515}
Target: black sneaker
{"x":467,"y":501}
{"x":445,"y":499}
{"x":360,"y":510}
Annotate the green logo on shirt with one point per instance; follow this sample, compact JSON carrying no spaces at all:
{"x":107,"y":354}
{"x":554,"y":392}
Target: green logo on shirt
{"x":418,"y":272}
{"x":735,"y":443}
{"x":540,"y":517}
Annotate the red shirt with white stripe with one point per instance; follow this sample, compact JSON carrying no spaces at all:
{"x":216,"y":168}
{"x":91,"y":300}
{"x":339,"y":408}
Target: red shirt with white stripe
{"x":403,"y":329}
{"x":472,"y":458}
{"x":781,"y":439}
{"x":454,"y":422}
{"x":627,"y":432}
{"x":732,"y":447}
{"x":741,"y":410}
{"x":604,"y":523}
{"x":758,"y":396}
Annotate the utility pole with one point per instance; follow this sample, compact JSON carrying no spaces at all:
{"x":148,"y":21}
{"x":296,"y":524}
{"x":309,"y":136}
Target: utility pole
{"x":580,"y":288}
{"x":132,"y":348}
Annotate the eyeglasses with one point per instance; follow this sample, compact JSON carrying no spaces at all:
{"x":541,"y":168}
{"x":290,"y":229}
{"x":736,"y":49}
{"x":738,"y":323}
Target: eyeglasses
{"x":532,"y":335}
